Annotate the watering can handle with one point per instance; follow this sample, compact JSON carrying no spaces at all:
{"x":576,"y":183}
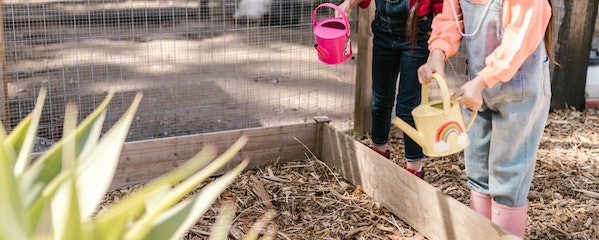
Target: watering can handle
{"x":445,"y":96}
{"x":471,"y":120}
{"x":472,"y":116}
{"x":338,"y":10}
{"x":444,"y":92}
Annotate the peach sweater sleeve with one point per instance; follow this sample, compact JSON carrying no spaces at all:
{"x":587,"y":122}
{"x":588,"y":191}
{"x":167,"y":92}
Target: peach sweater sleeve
{"x":524,"y":23}
{"x":445,"y":34}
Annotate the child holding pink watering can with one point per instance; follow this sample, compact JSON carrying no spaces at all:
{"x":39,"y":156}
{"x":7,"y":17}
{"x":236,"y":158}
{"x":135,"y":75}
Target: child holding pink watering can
{"x":507,"y":43}
{"x":401,"y":30}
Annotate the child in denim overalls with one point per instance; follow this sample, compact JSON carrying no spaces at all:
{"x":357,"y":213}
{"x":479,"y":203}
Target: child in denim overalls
{"x":401,"y":30}
{"x":508,"y":64}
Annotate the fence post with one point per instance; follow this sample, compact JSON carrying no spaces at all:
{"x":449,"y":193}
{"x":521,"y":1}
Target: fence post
{"x":362,"y":115}
{"x":4,"y":111}
{"x":320,"y":122}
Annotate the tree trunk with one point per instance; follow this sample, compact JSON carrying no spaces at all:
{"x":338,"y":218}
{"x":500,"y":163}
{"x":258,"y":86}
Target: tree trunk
{"x":574,"y":42}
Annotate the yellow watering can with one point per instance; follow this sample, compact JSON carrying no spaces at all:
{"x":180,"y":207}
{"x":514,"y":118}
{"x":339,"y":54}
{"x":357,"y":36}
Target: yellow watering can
{"x":440,"y":129}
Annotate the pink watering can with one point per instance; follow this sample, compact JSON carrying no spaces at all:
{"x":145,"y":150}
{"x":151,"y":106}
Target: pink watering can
{"x":332,"y":35}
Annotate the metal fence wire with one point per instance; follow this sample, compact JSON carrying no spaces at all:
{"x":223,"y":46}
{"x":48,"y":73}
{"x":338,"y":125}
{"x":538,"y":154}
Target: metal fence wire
{"x":203,"y":65}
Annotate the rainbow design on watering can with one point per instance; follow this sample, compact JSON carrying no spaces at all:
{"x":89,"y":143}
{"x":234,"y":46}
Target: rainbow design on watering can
{"x":445,"y":131}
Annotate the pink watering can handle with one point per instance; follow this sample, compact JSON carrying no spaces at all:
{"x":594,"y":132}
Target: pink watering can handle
{"x":338,"y":10}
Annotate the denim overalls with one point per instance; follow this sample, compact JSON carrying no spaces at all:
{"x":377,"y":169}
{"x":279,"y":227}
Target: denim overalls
{"x":394,"y":54}
{"x":506,"y":133}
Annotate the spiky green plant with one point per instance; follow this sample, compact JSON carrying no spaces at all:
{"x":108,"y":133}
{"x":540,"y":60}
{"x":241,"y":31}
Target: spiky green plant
{"x":56,"y":195}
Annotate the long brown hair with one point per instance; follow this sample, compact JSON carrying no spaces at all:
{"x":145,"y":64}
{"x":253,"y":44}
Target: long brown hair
{"x":550,"y":36}
{"x":412,"y":24}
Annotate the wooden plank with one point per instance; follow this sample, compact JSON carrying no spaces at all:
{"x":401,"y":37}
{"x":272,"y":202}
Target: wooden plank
{"x":4,"y":111}
{"x":362,"y":121}
{"x":143,"y":161}
{"x":421,"y":205}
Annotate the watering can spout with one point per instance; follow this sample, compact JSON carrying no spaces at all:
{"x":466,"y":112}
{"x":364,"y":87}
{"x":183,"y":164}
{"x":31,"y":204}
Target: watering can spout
{"x":322,"y":52}
{"x":409,"y":130}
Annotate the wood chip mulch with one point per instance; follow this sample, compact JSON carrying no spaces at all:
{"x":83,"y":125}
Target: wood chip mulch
{"x":309,"y":200}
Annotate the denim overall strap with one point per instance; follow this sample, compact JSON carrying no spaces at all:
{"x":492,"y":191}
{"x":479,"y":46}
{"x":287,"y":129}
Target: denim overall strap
{"x":507,"y":130}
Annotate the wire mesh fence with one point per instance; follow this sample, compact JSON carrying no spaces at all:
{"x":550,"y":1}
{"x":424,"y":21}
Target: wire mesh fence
{"x":203,"y":65}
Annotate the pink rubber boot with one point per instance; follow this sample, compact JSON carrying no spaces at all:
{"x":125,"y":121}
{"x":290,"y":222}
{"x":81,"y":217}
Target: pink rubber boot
{"x":480,"y":203}
{"x":512,"y":219}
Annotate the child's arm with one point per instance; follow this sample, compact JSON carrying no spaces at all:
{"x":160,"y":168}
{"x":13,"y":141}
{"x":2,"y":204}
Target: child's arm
{"x":444,"y":41}
{"x":524,"y":23}
{"x":445,"y":35}
{"x":348,"y":5}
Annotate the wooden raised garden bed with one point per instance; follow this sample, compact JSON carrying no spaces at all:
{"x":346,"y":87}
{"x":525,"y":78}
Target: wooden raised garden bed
{"x":424,"y":207}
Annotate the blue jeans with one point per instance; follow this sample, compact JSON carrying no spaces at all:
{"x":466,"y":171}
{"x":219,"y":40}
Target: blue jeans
{"x":392,"y":55}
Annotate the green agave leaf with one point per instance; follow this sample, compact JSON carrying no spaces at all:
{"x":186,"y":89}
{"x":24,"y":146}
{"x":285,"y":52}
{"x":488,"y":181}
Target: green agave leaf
{"x":17,"y":136}
{"x":173,"y":223}
{"x":188,"y":185}
{"x":98,"y":167}
{"x":24,"y":157}
{"x":111,"y":223}
{"x":65,"y":208}
{"x":44,"y":231}
{"x":66,"y":223}
{"x":37,"y":177}
{"x":90,"y":140}
{"x":68,"y":148}
{"x":12,"y":222}
{"x":200,"y":160}
{"x":49,"y":164}
{"x":3,"y":134}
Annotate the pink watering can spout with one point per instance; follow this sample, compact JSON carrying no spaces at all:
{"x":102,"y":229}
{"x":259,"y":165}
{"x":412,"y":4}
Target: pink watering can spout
{"x":322,"y":52}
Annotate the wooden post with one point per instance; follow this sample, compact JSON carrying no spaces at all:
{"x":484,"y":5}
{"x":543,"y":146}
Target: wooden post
{"x":4,"y":112}
{"x":320,"y":122}
{"x":573,"y":47}
{"x":362,"y":115}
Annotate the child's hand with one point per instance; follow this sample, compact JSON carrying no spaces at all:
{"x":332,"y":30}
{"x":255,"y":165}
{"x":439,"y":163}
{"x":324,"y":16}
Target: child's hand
{"x":434,"y":64}
{"x":470,"y":94}
{"x":346,"y":7}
